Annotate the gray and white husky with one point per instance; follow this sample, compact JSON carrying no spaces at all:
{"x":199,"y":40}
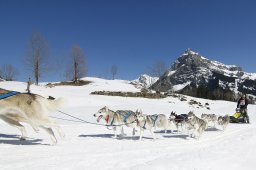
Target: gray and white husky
{"x":32,"y":109}
{"x":117,"y":119}
{"x":209,"y":118}
{"x":151,"y":122}
{"x":197,"y":124}
{"x":223,"y":121}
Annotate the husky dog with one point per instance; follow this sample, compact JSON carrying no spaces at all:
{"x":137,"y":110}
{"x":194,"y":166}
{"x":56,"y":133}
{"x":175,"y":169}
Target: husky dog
{"x":223,"y":121}
{"x":178,"y":120}
{"x":32,"y":109}
{"x":150,"y":122}
{"x":209,"y":118}
{"x":198,"y":124}
{"x":117,"y":119}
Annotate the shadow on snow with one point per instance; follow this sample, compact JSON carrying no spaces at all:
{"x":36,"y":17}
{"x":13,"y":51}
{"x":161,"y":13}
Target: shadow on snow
{"x":15,"y":140}
{"x":119,"y":137}
{"x":212,"y":129}
{"x":181,"y":136}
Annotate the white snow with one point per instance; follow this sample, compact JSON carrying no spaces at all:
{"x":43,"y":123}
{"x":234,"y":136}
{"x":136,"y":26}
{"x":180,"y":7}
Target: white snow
{"x":171,"y":73}
{"x":203,"y":58}
{"x":94,"y":148}
{"x":251,"y":76}
{"x":223,"y":68}
{"x":227,"y":72}
{"x":180,"y":86}
{"x":189,"y":51}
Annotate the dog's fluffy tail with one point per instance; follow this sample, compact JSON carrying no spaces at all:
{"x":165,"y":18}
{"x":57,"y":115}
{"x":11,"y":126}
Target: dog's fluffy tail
{"x":54,"y":104}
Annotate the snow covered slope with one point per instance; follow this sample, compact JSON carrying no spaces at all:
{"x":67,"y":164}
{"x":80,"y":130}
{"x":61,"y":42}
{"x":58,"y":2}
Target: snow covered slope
{"x":93,"y":147}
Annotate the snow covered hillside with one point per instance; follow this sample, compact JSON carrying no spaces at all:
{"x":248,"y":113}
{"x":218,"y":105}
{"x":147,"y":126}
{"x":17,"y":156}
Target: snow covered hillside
{"x":92,"y":147}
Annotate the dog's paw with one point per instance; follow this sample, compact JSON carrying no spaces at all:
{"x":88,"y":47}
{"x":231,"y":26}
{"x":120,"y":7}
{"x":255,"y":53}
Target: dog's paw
{"x":23,"y":138}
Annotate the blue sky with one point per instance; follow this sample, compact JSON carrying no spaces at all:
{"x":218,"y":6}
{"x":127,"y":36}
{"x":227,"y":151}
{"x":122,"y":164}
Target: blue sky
{"x":132,"y":34}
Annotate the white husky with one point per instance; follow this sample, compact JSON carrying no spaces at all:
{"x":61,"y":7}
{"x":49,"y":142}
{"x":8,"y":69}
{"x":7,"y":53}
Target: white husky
{"x":117,"y":119}
{"x":32,"y":109}
{"x":223,"y":121}
{"x":198,"y":124}
{"x":209,"y":118}
{"x":150,"y":122}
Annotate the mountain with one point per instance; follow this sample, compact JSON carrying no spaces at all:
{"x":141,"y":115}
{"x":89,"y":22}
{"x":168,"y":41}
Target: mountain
{"x":144,"y":81}
{"x":198,"y":76}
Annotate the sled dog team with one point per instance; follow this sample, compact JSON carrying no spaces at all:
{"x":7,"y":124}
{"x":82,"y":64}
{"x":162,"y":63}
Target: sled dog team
{"x":33,"y":109}
{"x":139,"y":121}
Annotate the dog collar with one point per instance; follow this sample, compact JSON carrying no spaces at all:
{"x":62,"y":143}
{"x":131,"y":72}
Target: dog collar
{"x":107,"y":119}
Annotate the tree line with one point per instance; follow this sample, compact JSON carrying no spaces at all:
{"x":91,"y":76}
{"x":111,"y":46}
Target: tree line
{"x":213,"y":94}
{"x":38,"y":62}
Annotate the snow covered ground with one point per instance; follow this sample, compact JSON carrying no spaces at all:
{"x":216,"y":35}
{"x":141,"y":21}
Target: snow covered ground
{"x":94,"y":148}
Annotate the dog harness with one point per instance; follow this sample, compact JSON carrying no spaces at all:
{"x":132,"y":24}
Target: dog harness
{"x":125,"y":114}
{"x":180,"y":118}
{"x":9,"y":94}
{"x":153,"y":117}
{"x":112,"y":121}
{"x":144,"y":126}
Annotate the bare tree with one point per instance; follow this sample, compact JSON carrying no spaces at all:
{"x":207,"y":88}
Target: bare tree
{"x":1,"y":77}
{"x":78,"y":66}
{"x":113,"y":71}
{"x":157,"y":69}
{"x":8,"y":72}
{"x":36,"y":60}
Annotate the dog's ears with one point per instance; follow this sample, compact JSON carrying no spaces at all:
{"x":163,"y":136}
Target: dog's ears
{"x":191,"y":112}
{"x":106,"y":108}
{"x":173,"y":112}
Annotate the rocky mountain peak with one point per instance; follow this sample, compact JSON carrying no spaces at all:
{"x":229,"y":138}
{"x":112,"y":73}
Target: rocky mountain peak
{"x":190,"y":60}
{"x":193,"y":70}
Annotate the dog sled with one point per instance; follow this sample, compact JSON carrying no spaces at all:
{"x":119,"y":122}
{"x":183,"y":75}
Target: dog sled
{"x":239,"y":117}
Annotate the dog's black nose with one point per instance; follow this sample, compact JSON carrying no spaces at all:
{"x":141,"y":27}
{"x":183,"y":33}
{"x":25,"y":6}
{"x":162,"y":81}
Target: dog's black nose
{"x":94,"y":115}
{"x":51,"y":98}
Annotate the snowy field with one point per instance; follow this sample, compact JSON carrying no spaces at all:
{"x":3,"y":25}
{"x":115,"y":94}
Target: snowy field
{"x":91,"y":147}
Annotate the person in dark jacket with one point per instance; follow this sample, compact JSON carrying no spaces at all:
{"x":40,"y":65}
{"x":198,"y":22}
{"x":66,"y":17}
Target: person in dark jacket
{"x":242,"y":105}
